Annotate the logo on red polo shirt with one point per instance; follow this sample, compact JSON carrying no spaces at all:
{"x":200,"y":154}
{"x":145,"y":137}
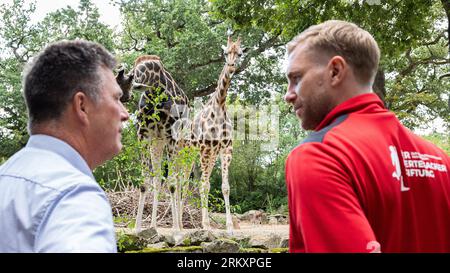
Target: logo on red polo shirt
{"x":397,"y":174}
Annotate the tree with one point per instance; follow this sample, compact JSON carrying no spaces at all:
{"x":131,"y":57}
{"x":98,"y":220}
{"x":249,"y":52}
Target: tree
{"x":412,"y":36}
{"x":189,"y":41}
{"x":20,"y":39}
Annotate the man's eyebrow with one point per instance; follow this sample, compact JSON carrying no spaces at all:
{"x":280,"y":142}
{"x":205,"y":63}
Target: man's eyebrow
{"x":294,"y":73}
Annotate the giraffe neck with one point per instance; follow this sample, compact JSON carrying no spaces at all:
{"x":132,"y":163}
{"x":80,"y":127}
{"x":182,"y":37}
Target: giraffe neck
{"x":152,"y":73}
{"x":220,"y":95}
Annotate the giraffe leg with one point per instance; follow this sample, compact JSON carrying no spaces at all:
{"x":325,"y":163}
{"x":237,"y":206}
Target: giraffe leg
{"x":208,"y":158}
{"x":147,"y":167}
{"x":142,"y":195}
{"x":173,"y":184}
{"x":174,"y":205}
{"x":187,"y":169}
{"x":225,"y":159}
{"x":156,"y":152}
{"x":178,"y":195}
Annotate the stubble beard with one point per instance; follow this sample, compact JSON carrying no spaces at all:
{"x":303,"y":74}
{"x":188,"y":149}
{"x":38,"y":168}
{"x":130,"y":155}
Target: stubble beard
{"x":315,"y":110}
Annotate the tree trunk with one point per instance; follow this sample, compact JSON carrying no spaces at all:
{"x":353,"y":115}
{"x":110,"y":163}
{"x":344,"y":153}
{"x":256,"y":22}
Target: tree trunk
{"x":379,"y":85}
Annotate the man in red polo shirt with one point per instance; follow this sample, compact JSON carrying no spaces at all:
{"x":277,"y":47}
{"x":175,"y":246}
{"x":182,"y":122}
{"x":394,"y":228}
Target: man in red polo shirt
{"x":361,"y":181}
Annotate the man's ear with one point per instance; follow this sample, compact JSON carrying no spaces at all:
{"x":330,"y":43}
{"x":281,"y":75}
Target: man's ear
{"x":338,"y":69}
{"x":80,"y":106}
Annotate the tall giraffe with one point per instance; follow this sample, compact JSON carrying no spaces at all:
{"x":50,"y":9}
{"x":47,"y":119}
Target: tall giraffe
{"x":155,"y":120}
{"x":212,"y":133}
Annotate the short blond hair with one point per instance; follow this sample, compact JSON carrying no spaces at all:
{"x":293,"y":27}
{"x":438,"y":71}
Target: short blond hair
{"x":347,"y":40}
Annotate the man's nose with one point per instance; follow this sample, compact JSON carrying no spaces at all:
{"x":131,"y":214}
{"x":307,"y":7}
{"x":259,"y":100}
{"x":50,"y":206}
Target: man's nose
{"x":125,"y":115}
{"x":290,"y":95}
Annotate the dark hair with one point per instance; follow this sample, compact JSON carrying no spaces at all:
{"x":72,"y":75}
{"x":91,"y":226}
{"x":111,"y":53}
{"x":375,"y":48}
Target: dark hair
{"x":58,"y":72}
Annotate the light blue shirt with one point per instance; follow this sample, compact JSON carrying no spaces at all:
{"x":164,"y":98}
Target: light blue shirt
{"x":50,"y":202}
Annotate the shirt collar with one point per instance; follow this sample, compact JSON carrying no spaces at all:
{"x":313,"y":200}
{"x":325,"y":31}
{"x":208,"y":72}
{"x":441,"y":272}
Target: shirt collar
{"x":365,"y":102}
{"x":62,"y":148}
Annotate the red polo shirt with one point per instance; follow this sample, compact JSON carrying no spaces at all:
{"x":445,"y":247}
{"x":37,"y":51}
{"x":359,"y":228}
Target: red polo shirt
{"x":362,"y":182}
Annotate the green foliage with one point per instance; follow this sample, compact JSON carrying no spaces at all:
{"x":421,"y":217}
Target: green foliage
{"x":280,"y":250}
{"x":440,"y":140}
{"x":178,"y":249}
{"x":257,"y":175}
{"x":130,"y":223}
{"x":125,"y":169}
{"x":252,"y":250}
{"x":20,"y":39}
{"x":127,"y":242}
{"x":414,"y":60}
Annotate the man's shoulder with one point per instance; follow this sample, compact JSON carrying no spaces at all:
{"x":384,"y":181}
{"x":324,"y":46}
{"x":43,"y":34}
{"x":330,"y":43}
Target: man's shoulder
{"x":43,"y":168}
{"x":334,"y":139}
{"x":319,"y":136}
{"x":353,"y":129}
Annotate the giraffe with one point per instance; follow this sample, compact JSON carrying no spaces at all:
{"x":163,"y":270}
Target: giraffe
{"x":212,"y":134}
{"x":160,"y":93}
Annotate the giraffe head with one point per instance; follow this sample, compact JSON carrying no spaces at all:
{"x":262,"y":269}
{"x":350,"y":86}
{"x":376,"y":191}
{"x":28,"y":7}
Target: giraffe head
{"x":147,"y":75}
{"x":126,"y":83}
{"x":232,"y":52}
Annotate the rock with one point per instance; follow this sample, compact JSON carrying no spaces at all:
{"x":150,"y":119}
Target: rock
{"x":264,"y":219}
{"x":265,"y":242}
{"x":181,"y":239}
{"x":221,"y":245}
{"x":169,"y":240}
{"x":242,"y":240}
{"x":256,"y":217}
{"x":185,"y":249}
{"x":235,"y":221}
{"x":277,"y":219}
{"x":199,"y":236}
{"x":273,"y":221}
{"x":218,"y":220}
{"x":177,"y":239}
{"x":148,"y":234}
{"x":127,"y":242}
{"x":284,"y":243}
{"x":158,"y":245}
{"x":157,"y":239}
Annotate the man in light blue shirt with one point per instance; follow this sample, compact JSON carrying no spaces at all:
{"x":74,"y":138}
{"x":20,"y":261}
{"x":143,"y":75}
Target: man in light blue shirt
{"x":49,"y":199}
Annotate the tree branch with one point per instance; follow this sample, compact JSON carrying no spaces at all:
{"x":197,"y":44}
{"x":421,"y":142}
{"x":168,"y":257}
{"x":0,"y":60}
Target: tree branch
{"x":131,"y":36}
{"x":446,"y":75}
{"x":436,"y":40}
{"x":414,"y":63}
{"x":205,"y":91}
{"x":195,"y":66}
{"x":261,"y":48}
{"x":16,"y":48}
